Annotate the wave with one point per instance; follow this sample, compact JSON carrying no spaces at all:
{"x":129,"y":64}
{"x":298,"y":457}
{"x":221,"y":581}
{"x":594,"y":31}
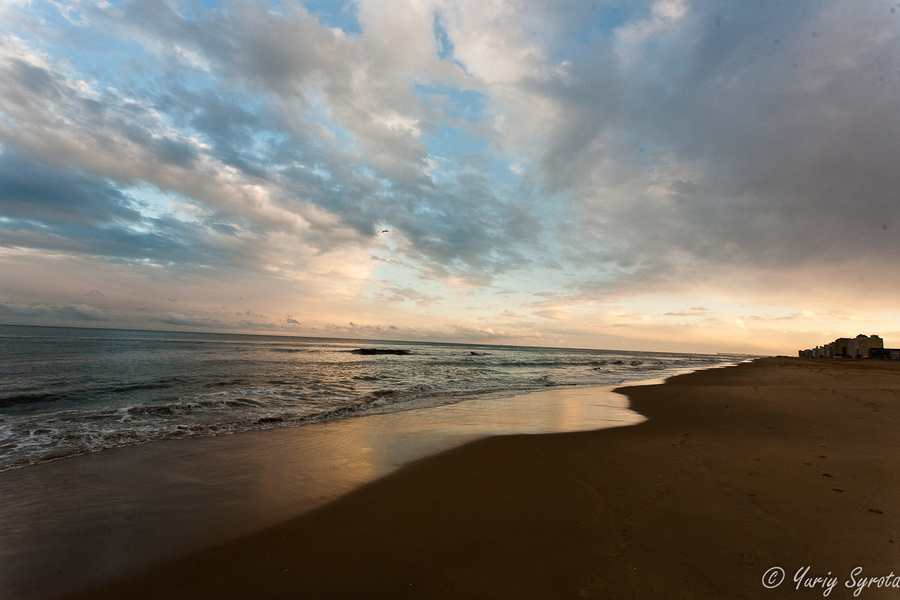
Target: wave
{"x":267,"y":391}
{"x":78,"y":394}
{"x":375,"y":351}
{"x":469,"y":359}
{"x":187,"y":408}
{"x":70,"y":433}
{"x":28,"y":399}
{"x":169,"y":382}
{"x":225,"y":383}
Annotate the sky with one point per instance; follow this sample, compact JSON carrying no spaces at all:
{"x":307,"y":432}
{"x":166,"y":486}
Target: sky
{"x":671,"y":175}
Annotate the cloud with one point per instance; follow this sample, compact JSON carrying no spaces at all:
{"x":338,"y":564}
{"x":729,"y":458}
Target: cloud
{"x":398,"y":294}
{"x":202,"y":322}
{"x":309,"y":132}
{"x":695,"y":311}
{"x":712,"y":147}
{"x":660,"y":153}
{"x":80,"y":313}
{"x":65,"y":121}
{"x":31,"y":191}
{"x":67,"y":210}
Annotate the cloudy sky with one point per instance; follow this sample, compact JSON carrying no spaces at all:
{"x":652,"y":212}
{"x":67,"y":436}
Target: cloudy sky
{"x":698,"y":175}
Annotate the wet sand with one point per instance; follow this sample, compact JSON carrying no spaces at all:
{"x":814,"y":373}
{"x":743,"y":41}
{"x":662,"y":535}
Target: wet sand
{"x":76,"y":522}
{"x":776,"y":463}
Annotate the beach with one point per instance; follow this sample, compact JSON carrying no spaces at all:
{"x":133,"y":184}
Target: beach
{"x":737,"y":472}
{"x":121,"y":450}
{"x":90,"y":518}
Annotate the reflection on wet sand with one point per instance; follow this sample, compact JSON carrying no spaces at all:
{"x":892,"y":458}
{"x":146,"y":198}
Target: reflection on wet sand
{"x":67,"y":523}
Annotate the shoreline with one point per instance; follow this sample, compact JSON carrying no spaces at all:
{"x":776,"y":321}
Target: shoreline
{"x":774,"y":463}
{"x":104,"y":515}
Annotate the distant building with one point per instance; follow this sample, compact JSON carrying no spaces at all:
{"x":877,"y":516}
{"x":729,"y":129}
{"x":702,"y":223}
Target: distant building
{"x":885,"y":353}
{"x":862,"y":346}
{"x":841,"y":347}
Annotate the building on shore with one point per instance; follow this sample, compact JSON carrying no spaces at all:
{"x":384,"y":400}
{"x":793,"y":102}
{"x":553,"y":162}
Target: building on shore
{"x":841,"y":347}
{"x":862,"y":346}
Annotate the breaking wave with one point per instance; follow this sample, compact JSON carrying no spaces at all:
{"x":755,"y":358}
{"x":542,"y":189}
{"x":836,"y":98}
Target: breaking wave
{"x":72,"y":397}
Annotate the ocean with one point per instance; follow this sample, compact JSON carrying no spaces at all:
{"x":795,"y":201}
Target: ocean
{"x":70,"y":391}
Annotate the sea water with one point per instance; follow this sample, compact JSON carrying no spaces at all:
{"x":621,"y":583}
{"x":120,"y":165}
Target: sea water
{"x":65,"y":392}
{"x":70,"y":391}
